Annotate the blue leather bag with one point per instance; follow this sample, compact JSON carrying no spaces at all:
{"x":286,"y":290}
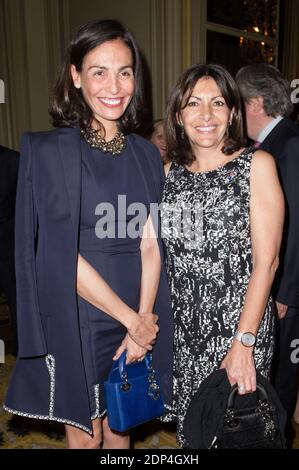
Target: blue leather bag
{"x":132,"y":393}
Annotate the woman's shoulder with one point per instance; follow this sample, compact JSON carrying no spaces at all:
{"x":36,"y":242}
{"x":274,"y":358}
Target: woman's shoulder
{"x":263,"y":167}
{"x":42,"y":140}
{"x":262,"y":161}
{"x":167,"y":167}
{"x":146,"y":150}
{"x":144,"y":143}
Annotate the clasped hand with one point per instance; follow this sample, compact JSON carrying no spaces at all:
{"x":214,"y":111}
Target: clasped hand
{"x":144,"y":330}
{"x":140,"y":338}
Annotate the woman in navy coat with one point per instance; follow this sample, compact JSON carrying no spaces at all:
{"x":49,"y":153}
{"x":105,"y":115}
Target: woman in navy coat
{"x":88,"y":268}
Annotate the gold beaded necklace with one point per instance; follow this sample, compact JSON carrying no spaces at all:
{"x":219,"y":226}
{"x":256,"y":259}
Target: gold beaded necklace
{"x":95,"y":140}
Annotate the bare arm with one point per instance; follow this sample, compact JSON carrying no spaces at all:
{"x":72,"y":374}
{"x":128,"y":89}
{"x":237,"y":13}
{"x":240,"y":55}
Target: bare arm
{"x":150,"y":278}
{"x":266,"y":221}
{"x":92,"y":287}
{"x":151,"y":268}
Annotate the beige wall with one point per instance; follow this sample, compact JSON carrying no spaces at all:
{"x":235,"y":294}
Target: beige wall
{"x":33,"y":36}
{"x":134,"y":14}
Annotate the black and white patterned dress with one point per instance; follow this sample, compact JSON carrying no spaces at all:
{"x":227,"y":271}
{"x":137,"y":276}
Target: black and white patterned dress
{"x":209,"y":262}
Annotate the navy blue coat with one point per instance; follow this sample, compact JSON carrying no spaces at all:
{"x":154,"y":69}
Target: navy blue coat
{"x":49,"y":381}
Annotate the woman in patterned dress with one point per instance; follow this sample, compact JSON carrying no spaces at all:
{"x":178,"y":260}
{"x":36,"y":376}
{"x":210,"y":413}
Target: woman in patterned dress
{"x":222,"y":220}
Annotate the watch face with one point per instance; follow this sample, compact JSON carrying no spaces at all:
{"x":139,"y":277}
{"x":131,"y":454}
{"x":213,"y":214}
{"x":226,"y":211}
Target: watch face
{"x":248,"y":339}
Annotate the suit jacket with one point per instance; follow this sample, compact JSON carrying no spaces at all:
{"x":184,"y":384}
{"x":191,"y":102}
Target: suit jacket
{"x":49,"y":380}
{"x":283,"y":144}
{"x":9,"y":163}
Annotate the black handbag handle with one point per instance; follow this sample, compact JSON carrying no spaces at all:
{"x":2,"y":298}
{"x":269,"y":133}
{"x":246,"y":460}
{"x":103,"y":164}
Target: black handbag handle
{"x":122,"y":363}
{"x":261,"y":391}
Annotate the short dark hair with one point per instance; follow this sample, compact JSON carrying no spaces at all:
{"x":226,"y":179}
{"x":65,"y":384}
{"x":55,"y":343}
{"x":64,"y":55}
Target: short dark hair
{"x":156,"y":123}
{"x":178,"y":145}
{"x":69,"y":107}
{"x":267,"y":81}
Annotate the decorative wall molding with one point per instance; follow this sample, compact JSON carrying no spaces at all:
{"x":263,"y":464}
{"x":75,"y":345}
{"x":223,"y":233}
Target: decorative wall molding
{"x":187,"y":34}
{"x":166,"y":49}
{"x":57,"y":33}
{"x":198,"y":35}
{"x":290,"y":41}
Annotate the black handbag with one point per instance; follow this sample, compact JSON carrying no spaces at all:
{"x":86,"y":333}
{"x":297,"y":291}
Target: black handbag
{"x":132,"y":393}
{"x":251,"y":427}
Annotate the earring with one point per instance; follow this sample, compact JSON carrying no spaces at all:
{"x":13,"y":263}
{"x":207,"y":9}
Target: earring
{"x":227,"y":129}
{"x":182,"y":132}
{"x":182,"y":129}
{"x":77,"y":86}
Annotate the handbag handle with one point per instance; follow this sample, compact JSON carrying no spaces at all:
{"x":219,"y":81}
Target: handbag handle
{"x":261,"y":391}
{"x":264,"y":408}
{"x":122,"y":364}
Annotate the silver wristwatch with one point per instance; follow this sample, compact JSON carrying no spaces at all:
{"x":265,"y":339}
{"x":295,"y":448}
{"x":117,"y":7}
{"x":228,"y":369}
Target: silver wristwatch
{"x":247,"y":339}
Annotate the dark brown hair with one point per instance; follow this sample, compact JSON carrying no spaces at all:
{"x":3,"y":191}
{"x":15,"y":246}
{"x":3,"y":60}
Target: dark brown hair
{"x":69,"y":107}
{"x":178,"y":145}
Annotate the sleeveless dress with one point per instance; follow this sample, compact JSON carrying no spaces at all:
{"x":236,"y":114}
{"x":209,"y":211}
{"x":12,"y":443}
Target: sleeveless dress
{"x":109,"y":185}
{"x":209,"y":262}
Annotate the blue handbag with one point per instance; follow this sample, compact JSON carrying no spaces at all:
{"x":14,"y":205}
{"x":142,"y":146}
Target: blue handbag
{"x":132,"y":393}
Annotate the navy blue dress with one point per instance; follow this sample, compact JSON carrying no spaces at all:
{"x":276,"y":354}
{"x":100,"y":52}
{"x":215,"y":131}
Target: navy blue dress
{"x":65,"y":352}
{"x":109,"y":185}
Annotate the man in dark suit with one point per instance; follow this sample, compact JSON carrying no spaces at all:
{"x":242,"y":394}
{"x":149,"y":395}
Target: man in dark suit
{"x":267,"y":99}
{"x":9,"y":162}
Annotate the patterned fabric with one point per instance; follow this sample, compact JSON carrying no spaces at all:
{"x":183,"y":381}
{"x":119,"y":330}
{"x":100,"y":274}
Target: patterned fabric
{"x":209,"y":261}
